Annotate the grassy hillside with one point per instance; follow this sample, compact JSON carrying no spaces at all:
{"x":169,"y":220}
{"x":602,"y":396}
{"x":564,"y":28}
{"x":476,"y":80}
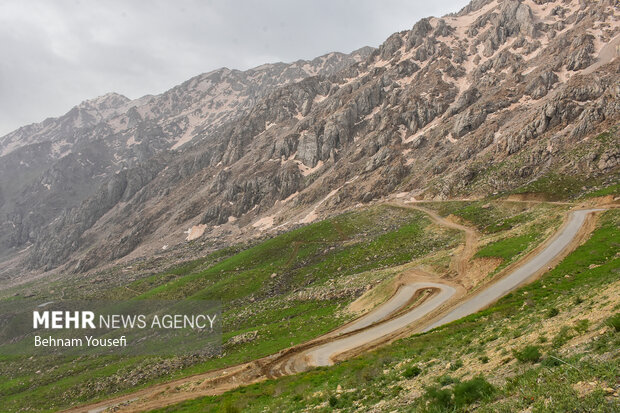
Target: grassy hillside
{"x":551,"y":346}
{"x":283,"y":291}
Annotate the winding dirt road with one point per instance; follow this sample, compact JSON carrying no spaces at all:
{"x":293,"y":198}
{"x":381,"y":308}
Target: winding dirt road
{"x":380,"y":322}
{"x":539,"y":262}
{"x":438,"y":302}
{"x":323,"y":355}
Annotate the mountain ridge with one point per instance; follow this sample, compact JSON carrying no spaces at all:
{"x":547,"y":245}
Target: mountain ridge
{"x":495,"y":96}
{"x":102,"y":136}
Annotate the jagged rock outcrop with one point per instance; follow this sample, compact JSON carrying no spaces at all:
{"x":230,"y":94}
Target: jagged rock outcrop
{"x":540,"y":85}
{"x":477,"y":102}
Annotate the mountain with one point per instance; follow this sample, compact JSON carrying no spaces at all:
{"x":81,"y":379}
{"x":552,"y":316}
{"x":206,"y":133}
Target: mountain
{"x":502,"y":95}
{"x":55,"y":165}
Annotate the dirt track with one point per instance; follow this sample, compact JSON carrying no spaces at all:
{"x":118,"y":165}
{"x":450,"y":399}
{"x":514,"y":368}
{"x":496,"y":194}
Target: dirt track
{"x":379,"y":324}
{"x":539,"y":262}
{"x":387,"y":322}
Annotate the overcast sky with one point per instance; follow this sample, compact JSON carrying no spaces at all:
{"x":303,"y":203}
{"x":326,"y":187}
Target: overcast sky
{"x":56,"y":53}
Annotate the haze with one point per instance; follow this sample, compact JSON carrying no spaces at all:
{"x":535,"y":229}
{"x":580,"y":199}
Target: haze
{"x":56,"y":54}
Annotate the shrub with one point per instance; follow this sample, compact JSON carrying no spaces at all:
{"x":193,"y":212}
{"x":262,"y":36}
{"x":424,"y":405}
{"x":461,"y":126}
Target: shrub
{"x":528,"y":354}
{"x":561,"y":337}
{"x":581,"y":326}
{"x":446,"y":380}
{"x":552,"y":312}
{"x":412,"y":371}
{"x":483,"y":359}
{"x":471,"y":391}
{"x":614,"y":322}
{"x":551,"y":360}
{"x":438,"y":400}
{"x":333,"y":401}
{"x":456,"y":365}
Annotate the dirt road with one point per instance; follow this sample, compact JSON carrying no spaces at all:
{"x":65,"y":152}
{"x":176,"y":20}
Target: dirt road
{"x":322,"y":355}
{"x":539,"y":262}
{"x":379,"y":326}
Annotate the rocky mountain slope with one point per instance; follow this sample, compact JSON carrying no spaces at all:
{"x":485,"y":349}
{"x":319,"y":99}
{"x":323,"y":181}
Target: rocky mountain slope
{"x":54,"y":165}
{"x":499,"y":95}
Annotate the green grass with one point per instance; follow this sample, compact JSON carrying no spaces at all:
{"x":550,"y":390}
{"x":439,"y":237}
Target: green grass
{"x":350,"y":245}
{"x":334,"y":251}
{"x":487,"y":217}
{"x":614,"y":322}
{"x":527,"y":386}
{"x":528,"y":354}
{"x":557,"y":187}
{"x":613,"y":189}
{"x":149,"y":283}
{"x":493,"y":218}
{"x":345,"y":245}
{"x":519,"y":232}
{"x":506,"y":248}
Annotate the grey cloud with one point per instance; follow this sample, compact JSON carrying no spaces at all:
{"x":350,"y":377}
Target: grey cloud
{"x":56,"y":54}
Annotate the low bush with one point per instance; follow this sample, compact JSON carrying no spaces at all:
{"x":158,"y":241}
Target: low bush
{"x":412,"y":371}
{"x":528,"y":354}
{"x":581,"y":326}
{"x":471,"y":391}
{"x":456,"y":365}
{"x":446,"y":380}
{"x":333,"y":401}
{"x":561,"y":337}
{"x":614,"y":322}
{"x":463,"y":394}
{"x":438,"y":400}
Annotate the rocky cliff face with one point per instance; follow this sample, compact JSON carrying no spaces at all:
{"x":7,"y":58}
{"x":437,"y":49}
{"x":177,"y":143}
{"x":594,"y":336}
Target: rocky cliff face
{"x":481,"y":101}
{"x":48,"y":168}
